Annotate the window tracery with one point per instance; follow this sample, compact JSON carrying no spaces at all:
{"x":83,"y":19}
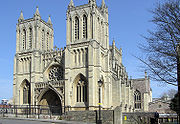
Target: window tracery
{"x":81,"y":91}
{"x":81,"y":87}
{"x":56,"y":73}
{"x":137,"y":99}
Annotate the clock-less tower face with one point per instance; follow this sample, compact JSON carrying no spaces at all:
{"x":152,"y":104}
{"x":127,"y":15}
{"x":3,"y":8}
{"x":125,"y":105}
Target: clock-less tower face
{"x":56,"y":73}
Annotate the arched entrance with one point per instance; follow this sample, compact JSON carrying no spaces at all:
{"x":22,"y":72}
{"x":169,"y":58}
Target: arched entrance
{"x":51,"y":100}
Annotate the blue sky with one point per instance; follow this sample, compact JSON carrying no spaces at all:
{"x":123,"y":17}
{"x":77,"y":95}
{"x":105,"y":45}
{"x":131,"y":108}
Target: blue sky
{"x":128,"y":20}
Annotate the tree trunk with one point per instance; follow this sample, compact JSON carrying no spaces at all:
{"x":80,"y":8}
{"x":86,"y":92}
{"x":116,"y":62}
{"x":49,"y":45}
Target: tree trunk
{"x":178,"y":81}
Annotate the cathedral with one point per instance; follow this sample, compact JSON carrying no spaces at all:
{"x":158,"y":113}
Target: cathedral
{"x":68,"y":77}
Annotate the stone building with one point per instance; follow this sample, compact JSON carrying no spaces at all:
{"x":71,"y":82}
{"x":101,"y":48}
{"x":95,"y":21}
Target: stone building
{"x":47,"y":75}
{"x":142,"y":93}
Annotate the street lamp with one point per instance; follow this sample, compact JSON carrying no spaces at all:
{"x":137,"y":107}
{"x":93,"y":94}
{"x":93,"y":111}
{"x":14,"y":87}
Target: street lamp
{"x":100,"y":82}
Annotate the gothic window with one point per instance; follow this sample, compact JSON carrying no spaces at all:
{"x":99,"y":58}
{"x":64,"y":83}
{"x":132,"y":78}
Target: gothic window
{"x":76,"y":28}
{"x":24,"y":39}
{"x":81,"y":90}
{"x":26,"y":93}
{"x":56,"y":73}
{"x":47,"y":42}
{"x":42,"y":38}
{"x":137,"y":99}
{"x":84,"y":26}
{"x":30,"y":38}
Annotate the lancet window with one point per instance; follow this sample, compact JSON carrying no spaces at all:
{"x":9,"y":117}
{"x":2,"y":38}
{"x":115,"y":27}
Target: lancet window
{"x":30,"y":38}
{"x":81,"y":90}
{"x":47,"y":42}
{"x":76,"y":28}
{"x":42,"y":39}
{"x":24,"y":39}
{"x":84,"y":26}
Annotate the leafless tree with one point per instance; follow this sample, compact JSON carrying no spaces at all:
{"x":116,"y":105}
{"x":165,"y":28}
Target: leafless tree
{"x":162,"y":48}
{"x":161,"y":45}
{"x":170,"y":93}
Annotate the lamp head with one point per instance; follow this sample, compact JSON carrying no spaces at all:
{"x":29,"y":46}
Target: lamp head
{"x":100,"y":82}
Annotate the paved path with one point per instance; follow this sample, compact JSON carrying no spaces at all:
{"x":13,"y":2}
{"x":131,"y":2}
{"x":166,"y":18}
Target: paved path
{"x":11,"y":121}
{"x":35,"y":121}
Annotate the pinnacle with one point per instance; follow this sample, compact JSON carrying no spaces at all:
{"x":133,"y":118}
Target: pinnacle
{"x":37,"y":12}
{"x":103,"y":5}
{"x":113,"y":42}
{"x":49,"y":20}
{"x":21,"y":17}
{"x":71,"y":4}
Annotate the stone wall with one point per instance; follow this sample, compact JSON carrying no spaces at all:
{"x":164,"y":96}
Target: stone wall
{"x":107,"y":116}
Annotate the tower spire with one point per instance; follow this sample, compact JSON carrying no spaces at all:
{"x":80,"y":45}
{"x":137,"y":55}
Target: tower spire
{"x":21,"y":18}
{"x":37,"y":14}
{"x":71,"y":4}
{"x":49,"y":21}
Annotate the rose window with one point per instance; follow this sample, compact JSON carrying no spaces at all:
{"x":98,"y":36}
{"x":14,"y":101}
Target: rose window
{"x":56,"y":74}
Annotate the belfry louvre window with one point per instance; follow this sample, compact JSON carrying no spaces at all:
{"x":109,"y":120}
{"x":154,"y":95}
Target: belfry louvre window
{"x":81,"y":91}
{"x":76,"y":28}
{"x":47,"y":42}
{"x":24,"y":39}
{"x":42,"y":38}
{"x":30,"y":38}
{"x":137,"y":99}
{"x":84,"y":26}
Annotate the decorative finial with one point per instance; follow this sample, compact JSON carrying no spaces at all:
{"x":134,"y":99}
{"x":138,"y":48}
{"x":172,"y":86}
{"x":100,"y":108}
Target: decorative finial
{"x":71,"y":4}
{"x":113,"y":42}
{"x":21,"y":18}
{"x":103,"y":5}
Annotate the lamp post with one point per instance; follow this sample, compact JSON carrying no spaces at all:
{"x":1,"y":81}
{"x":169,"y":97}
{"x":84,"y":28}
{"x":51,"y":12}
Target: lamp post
{"x":100,"y":82}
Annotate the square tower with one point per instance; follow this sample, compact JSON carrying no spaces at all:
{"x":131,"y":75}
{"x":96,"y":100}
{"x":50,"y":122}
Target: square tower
{"x":33,"y":37}
{"x":86,"y":55}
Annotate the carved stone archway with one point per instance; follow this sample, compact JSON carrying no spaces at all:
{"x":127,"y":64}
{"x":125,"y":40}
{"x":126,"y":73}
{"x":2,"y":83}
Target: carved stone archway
{"x":51,"y":94}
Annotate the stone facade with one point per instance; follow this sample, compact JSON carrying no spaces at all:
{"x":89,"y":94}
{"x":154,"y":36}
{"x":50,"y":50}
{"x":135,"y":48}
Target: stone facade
{"x":142,"y":90}
{"x":47,"y":75}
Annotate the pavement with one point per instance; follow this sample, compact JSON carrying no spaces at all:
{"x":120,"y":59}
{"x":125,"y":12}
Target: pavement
{"x":36,"y":121}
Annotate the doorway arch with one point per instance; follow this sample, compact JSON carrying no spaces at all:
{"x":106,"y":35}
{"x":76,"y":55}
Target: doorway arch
{"x":51,"y":100}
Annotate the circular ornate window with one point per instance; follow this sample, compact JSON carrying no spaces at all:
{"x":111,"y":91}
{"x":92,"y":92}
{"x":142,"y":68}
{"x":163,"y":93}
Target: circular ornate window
{"x":55,"y":73}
